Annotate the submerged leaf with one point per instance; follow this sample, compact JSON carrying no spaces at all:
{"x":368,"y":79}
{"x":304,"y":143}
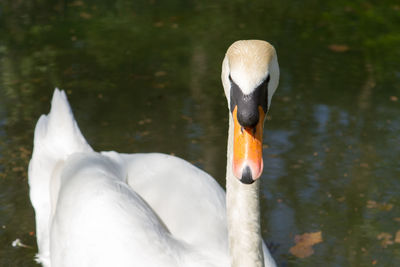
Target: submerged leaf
{"x":304,"y":243}
{"x":397,"y":238}
{"x":371,"y":204}
{"x":338,"y":48}
{"x":85,"y":15}
{"x":386,"y":239}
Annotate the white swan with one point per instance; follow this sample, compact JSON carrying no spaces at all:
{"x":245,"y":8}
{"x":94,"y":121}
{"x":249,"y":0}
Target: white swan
{"x":110,"y":209}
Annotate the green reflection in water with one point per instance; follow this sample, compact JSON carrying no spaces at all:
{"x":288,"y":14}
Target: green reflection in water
{"x":144,"y":77}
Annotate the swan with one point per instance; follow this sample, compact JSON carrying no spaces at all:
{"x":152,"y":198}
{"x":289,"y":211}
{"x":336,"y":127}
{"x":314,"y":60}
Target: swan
{"x":113,"y":209}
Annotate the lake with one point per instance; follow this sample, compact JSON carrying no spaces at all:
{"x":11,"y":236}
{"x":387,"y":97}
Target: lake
{"x":144,"y":76}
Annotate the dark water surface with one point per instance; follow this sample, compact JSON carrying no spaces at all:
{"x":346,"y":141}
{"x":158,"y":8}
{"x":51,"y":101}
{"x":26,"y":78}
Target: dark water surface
{"x":145,"y":76}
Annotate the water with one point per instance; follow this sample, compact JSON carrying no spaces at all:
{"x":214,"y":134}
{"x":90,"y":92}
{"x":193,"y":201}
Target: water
{"x":145,"y":77}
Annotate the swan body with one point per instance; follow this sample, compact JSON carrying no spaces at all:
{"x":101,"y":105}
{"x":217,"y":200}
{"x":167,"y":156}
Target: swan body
{"x":111,"y":209}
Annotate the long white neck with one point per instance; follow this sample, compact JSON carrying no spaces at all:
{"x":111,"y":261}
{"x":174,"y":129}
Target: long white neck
{"x":243,"y":213}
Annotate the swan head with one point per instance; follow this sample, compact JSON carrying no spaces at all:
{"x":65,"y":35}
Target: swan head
{"x":250,"y":76}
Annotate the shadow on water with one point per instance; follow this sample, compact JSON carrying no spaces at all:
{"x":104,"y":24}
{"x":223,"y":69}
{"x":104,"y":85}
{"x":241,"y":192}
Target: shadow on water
{"x":145,"y":76}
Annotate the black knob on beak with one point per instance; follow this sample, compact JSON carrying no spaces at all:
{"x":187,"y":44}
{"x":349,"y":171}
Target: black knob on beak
{"x":248,"y":115}
{"x":248,"y":104}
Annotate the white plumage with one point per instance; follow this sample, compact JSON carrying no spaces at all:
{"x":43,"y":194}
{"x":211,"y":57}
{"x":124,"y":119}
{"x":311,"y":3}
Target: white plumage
{"x":111,"y":209}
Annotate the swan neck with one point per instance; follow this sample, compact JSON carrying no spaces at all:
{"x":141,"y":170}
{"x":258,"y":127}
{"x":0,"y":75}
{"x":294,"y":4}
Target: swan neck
{"x":243,"y":214}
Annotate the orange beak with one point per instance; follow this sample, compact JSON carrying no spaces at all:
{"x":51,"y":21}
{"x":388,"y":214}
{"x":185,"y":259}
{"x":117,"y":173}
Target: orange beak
{"x":247,"y":149}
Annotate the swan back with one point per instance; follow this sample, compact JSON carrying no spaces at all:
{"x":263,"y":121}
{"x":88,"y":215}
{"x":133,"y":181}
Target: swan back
{"x":92,"y":208}
{"x":101,"y":221}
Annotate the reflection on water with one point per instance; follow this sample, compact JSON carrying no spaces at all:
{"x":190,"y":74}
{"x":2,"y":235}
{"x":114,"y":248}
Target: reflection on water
{"x":144,"y":76}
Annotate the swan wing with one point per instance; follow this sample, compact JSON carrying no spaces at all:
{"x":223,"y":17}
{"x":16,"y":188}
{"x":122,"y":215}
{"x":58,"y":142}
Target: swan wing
{"x":188,"y":200}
